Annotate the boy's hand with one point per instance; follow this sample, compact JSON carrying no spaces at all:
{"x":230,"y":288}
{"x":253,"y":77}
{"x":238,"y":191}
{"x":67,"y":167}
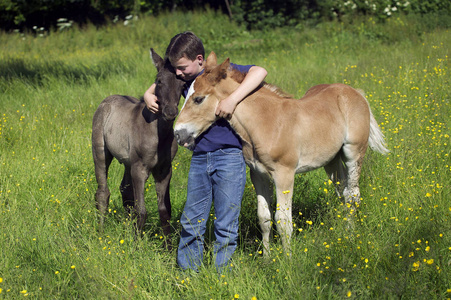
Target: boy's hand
{"x":151,"y":102}
{"x":253,"y":79}
{"x":225,"y":108}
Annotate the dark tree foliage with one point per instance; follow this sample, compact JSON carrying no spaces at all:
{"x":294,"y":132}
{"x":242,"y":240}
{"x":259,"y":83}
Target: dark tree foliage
{"x":254,"y":14}
{"x":25,"y":14}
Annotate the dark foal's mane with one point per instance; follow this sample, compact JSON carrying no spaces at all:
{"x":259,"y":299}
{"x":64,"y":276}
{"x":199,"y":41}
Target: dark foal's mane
{"x":239,"y":77}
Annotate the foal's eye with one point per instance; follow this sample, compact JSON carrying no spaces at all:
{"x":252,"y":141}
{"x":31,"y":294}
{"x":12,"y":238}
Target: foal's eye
{"x":198,"y":99}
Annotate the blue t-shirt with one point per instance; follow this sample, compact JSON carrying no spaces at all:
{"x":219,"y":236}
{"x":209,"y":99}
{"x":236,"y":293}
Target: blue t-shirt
{"x":219,"y":135}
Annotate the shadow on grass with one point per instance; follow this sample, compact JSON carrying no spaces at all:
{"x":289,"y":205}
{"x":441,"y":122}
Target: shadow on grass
{"x":38,"y":72}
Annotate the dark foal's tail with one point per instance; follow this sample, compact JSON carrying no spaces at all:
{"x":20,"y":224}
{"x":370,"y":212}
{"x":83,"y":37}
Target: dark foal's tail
{"x":98,"y":127}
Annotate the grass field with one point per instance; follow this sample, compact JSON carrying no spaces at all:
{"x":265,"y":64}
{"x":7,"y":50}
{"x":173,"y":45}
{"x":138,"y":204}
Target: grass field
{"x":400,"y":247}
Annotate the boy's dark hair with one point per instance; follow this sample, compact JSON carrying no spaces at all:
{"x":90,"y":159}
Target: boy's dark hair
{"x":184,"y":44}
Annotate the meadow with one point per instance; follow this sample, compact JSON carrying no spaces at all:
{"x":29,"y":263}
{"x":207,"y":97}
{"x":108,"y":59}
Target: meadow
{"x":400,"y":247}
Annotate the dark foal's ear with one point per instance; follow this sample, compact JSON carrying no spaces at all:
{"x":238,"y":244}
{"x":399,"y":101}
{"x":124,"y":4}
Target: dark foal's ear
{"x":156,"y":59}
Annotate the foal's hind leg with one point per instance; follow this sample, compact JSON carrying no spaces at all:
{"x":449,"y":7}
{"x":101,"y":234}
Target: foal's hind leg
{"x":102,"y":161}
{"x":338,"y":173}
{"x":126,"y":189}
{"x":353,"y":158}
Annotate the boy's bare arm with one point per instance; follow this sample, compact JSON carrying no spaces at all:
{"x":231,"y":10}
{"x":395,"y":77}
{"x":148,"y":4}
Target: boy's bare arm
{"x":151,"y":100}
{"x":253,"y":79}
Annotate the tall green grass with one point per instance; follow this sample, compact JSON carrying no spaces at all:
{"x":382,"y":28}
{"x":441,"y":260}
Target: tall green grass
{"x":400,"y":246}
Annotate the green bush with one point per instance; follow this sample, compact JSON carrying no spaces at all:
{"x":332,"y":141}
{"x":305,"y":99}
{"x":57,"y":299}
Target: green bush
{"x":260,"y":14}
{"x":254,"y":14}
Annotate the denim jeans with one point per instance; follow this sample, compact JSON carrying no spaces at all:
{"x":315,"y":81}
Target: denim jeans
{"x":218,"y":176}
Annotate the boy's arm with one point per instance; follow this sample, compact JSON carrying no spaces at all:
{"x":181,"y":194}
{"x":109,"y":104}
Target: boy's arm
{"x":151,"y":100}
{"x":253,"y":79}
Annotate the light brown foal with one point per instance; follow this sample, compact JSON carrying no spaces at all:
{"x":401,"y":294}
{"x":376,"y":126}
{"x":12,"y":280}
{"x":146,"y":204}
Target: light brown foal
{"x":330,"y":127}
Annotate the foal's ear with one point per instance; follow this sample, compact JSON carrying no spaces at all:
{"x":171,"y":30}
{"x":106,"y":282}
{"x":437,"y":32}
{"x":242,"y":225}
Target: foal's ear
{"x":211,"y":62}
{"x":225,"y":65}
{"x":156,"y":59}
{"x":220,"y":72}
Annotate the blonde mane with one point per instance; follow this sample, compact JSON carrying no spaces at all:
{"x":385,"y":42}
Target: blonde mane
{"x":276,"y":90}
{"x":239,"y":77}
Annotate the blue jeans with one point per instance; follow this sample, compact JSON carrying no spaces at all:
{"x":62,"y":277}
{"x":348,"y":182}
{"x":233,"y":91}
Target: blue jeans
{"x":218,"y":175}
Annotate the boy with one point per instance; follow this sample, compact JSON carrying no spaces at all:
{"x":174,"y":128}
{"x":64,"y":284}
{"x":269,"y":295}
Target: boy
{"x":217,"y":169}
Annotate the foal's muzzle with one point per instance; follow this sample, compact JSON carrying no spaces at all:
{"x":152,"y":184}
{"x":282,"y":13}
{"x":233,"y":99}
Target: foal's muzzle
{"x":184,"y":138}
{"x":170,"y":113}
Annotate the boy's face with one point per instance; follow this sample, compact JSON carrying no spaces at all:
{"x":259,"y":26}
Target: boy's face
{"x":188,"y":69}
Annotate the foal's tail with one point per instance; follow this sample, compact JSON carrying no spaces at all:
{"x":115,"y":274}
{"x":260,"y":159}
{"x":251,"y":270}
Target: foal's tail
{"x":98,"y":125}
{"x":376,"y":139}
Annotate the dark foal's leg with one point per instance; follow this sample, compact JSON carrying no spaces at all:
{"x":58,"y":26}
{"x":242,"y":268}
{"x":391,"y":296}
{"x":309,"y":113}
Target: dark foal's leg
{"x":162,"y":178}
{"x":139,"y":174}
{"x":127,"y":192}
{"x":102,"y":161}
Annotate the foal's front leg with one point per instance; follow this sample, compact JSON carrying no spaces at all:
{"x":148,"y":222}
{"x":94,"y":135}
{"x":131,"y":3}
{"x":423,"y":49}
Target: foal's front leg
{"x":139,"y":175}
{"x":263,"y":188}
{"x":284,"y":182}
{"x":162,"y":178}
{"x":102,"y":161}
